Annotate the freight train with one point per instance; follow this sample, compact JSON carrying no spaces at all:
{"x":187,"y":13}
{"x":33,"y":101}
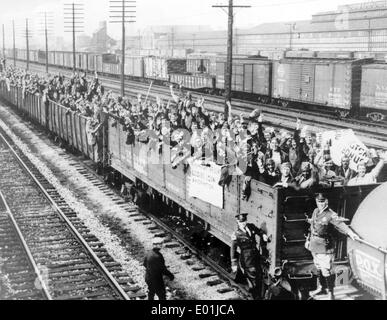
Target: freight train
{"x":344,"y":83}
{"x":282,"y":213}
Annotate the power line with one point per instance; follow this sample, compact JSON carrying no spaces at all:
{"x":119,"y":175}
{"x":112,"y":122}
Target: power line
{"x":228,"y":72}
{"x":125,"y":14}
{"x":73,"y":19}
{"x":47,"y":29}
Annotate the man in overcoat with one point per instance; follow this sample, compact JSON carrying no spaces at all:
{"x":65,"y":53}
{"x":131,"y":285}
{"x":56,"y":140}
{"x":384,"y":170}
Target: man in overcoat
{"x":155,"y":269}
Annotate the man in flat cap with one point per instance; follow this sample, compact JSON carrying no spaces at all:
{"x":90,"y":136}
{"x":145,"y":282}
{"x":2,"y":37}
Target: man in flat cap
{"x":321,"y":245}
{"x":155,"y":269}
{"x":244,"y":238}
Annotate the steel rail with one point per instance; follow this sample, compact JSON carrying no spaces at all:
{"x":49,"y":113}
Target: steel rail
{"x":27,"y":250}
{"x":106,"y":273}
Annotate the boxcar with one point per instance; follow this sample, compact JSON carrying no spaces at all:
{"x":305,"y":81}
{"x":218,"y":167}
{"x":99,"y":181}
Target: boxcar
{"x":134,"y":66}
{"x":333,"y":83}
{"x":42,"y":56}
{"x":51,"y":57}
{"x":111,"y":68}
{"x":59,"y":58}
{"x":160,"y":67}
{"x":81,"y":60}
{"x":67,"y":59}
{"x":249,"y":75}
{"x":21,"y":54}
{"x":373,"y":94}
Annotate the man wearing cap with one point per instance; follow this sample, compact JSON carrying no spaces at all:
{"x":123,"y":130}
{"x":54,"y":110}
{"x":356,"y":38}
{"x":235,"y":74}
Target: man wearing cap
{"x":155,"y":268}
{"x":249,"y":258}
{"x":321,"y":244}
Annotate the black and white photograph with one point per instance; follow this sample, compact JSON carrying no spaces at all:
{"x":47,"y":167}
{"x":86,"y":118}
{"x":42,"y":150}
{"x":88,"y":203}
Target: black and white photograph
{"x":189,"y":156}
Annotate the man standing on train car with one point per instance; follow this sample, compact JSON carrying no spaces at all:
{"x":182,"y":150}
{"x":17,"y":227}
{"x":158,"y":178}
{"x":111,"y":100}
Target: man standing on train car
{"x":321,"y":245}
{"x":244,"y":238}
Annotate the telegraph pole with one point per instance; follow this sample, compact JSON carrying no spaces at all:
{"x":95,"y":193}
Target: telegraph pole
{"x":46,"y":28}
{"x":228,"y":73}
{"x":119,"y":9}
{"x":3,"y":42}
{"x":73,"y":15}
{"x":172,"y":41}
{"x":14,"y":45}
{"x":27,"y":46}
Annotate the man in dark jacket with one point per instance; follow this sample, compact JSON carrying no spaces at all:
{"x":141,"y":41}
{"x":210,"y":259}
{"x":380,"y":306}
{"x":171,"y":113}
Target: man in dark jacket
{"x":321,"y":244}
{"x":155,"y":268}
{"x":244,"y":238}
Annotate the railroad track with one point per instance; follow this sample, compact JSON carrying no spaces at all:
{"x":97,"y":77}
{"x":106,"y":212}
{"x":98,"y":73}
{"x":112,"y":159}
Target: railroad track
{"x":372,"y":134}
{"x":18,"y":276}
{"x":68,"y":260}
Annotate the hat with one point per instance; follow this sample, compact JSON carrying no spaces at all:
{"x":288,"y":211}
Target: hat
{"x":156,"y":242}
{"x":320,"y":197}
{"x":239,"y":215}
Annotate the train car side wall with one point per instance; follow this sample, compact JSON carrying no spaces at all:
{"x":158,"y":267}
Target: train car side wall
{"x":374,"y":88}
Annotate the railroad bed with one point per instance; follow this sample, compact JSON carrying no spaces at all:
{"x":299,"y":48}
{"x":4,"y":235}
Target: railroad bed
{"x":187,"y":265}
{"x":182,"y":256}
{"x":70,"y":261}
{"x":372,"y":134}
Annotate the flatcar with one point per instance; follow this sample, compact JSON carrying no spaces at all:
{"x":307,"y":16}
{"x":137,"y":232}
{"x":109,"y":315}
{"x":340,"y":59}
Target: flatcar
{"x":280,"y":212}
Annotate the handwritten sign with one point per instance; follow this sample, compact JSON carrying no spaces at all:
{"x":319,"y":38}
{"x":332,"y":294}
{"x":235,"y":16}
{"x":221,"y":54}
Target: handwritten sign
{"x":202,"y":183}
{"x":345,"y":143}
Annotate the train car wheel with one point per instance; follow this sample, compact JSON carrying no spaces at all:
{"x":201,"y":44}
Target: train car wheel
{"x":375,"y":116}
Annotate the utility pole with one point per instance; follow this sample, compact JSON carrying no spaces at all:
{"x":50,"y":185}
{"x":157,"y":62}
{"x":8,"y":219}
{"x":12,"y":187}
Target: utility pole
{"x":73,"y":19}
{"x":27,"y":45}
{"x":121,"y":14}
{"x":228,"y":73}
{"x":14,"y":45}
{"x":291,"y":28}
{"x":46,"y":24}
{"x":172,"y":40}
{"x":3,"y":42}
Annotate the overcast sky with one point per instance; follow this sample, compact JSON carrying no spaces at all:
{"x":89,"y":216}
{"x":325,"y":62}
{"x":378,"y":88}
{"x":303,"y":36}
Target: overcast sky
{"x":167,"y":12}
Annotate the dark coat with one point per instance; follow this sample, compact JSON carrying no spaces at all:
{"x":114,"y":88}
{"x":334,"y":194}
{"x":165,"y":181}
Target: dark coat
{"x":154,"y":264}
{"x":346,"y":175}
{"x":249,"y":254}
{"x":321,"y":231}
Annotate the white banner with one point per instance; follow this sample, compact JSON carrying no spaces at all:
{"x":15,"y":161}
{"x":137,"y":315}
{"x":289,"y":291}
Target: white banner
{"x":345,"y":143}
{"x":202,"y":183}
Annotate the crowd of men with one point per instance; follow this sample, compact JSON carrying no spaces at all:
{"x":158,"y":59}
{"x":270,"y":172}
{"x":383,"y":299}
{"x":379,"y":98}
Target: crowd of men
{"x":241,"y":144}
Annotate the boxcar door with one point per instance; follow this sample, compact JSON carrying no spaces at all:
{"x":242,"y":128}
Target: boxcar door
{"x":307,"y":82}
